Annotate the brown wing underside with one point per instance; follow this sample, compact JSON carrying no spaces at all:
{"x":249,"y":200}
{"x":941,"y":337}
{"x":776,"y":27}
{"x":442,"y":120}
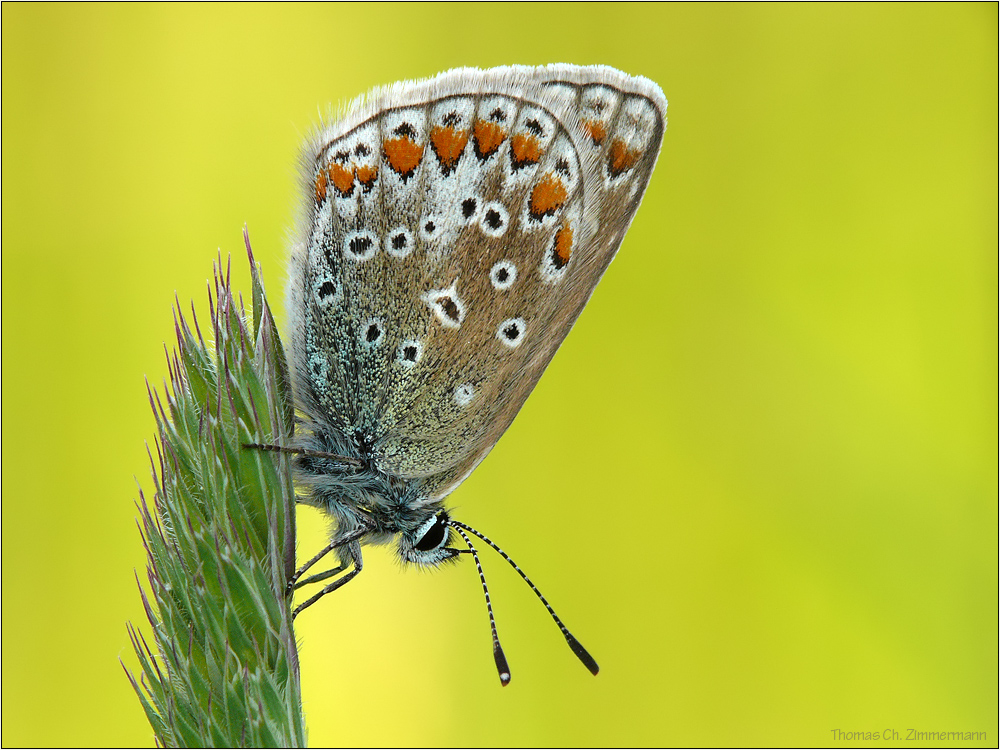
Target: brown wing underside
{"x":452,"y":245}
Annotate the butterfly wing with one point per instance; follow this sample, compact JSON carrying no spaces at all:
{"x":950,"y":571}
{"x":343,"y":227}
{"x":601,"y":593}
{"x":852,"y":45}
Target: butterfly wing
{"x":454,"y":231}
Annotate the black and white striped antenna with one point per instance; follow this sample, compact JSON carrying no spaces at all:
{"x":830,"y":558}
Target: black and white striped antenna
{"x":498,"y":655}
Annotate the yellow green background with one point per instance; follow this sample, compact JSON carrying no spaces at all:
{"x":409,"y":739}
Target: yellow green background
{"x":759,"y":481}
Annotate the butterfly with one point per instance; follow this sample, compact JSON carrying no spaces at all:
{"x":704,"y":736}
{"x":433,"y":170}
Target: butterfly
{"x":452,"y":231}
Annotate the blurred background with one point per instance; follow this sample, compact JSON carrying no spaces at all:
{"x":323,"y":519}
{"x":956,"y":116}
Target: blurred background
{"x":759,"y":481}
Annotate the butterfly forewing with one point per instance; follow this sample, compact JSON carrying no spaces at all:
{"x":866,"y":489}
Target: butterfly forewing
{"x":456,"y":229}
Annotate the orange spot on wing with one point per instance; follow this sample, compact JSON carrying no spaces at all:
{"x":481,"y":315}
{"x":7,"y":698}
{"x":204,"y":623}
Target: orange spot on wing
{"x":342,"y":178}
{"x":489,"y":136}
{"x":621,"y":158}
{"x":321,"y":187}
{"x":448,"y":144}
{"x":562,"y":247}
{"x":403,"y":155}
{"x":525,"y":149}
{"x":596,"y":130}
{"x":366,"y":176}
{"x":548,"y":196}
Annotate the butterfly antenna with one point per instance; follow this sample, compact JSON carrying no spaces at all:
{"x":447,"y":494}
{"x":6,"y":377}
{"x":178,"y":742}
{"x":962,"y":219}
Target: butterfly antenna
{"x":574,"y":644}
{"x":498,"y":656}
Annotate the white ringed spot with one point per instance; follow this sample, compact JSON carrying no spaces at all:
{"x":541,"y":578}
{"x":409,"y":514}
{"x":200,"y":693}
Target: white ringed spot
{"x":372,"y":332}
{"x":360,"y":246}
{"x":446,"y":305}
{"x":494,"y":219}
{"x":503,"y":274}
{"x":511,"y":332}
{"x":327,"y":292}
{"x":431,"y":227}
{"x":410,"y":352}
{"x":399,"y":242}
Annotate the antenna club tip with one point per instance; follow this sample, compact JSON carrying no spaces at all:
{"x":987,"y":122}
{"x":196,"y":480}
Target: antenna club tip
{"x":582,"y":654}
{"x":501,"y":661}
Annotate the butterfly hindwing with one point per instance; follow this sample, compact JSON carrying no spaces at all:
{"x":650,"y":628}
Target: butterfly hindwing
{"x":456,"y":229}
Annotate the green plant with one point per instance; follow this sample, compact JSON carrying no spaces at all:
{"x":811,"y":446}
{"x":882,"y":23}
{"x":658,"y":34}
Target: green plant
{"x":220,"y":538}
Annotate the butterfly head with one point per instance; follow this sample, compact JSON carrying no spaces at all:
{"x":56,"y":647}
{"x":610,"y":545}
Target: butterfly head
{"x":427,"y":544}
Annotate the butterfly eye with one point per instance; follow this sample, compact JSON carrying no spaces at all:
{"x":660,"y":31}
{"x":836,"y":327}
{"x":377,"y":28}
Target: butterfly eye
{"x":434,"y":534}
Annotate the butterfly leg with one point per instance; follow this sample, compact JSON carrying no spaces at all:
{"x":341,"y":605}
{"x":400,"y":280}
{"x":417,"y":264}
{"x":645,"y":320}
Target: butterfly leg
{"x":293,"y":581}
{"x":323,"y":576}
{"x":353,"y":553}
{"x":340,"y":541}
